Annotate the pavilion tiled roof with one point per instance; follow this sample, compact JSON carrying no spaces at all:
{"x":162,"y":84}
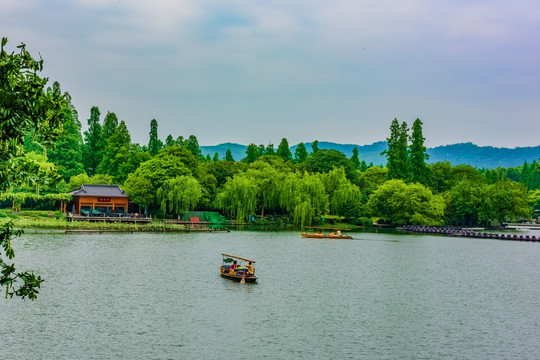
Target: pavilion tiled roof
{"x":99,"y":190}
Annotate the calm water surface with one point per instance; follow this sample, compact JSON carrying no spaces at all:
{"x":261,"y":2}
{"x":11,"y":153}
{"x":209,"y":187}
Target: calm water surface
{"x":379,"y":296}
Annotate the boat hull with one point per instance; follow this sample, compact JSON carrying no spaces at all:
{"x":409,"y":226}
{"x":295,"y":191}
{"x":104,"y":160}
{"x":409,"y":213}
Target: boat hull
{"x":322,"y":236}
{"x":236,"y":277}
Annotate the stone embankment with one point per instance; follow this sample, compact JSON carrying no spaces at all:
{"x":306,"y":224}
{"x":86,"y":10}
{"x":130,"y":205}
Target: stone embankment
{"x":452,"y":231}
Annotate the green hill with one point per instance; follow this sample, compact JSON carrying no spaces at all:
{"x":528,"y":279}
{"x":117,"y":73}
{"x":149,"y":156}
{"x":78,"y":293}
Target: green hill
{"x":487,"y":157}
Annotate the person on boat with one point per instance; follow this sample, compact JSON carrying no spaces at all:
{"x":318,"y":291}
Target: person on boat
{"x":331,"y":233}
{"x":339,"y":233}
{"x":251,"y":269}
{"x":233,"y":267}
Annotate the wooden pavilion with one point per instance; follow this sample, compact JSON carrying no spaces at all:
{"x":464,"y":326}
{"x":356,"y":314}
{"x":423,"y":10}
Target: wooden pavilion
{"x":99,"y":199}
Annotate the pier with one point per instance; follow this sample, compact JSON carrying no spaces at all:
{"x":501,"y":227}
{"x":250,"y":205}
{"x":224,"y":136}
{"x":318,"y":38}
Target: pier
{"x":450,"y":231}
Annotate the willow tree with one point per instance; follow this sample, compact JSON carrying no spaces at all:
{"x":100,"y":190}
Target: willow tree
{"x":268,"y":181}
{"x":238,"y":198}
{"x":341,"y":192}
{"x":303,"y":197}
{"x":180,"y":194}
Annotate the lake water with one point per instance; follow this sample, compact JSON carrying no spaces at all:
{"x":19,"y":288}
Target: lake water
{"x":378,"y":296}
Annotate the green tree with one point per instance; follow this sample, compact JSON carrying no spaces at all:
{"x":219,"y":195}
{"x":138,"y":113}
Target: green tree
{"x":314,"y":146}
{"x":45,"y":174}
{"x":216,"y":157}
{"x":303,"y":197}
{"x":223,"y":170}
{"x":68,"y":151}
{"x":533,"y":199}
{"x":140,"y":190}
{"x":324,"y":160}
{"x":467,"y":204}
{"x":300,"y":154}
{"x":252,"y":153}
{"x":154,"y":144}
{"x":417,"y":155}
{"x":269,"y":150}
{"x":110,"y":123}
{"x":116,"y":155}
{"x":372,"y":178}
{"x":341,"y":193}
{"x":93,"y":143}
{"x":228,"y":155}
{"x":25,"y":108}
{"x":167,"y":164}
{"x":396,"y":154}
{"x":268,"y":179}
{"x":354,"y":159}
{"x":180,"y":194}
{"x":363,"y":166}
{"x":238,"y":198}
{"x":283,"y":150}
{"x":508,"y":201}
{"x":83,"y":179}
{"x":440,"y":176}
{"x":169,"y":141}
{"x":400,"y":203}
{"x":192,"y":144}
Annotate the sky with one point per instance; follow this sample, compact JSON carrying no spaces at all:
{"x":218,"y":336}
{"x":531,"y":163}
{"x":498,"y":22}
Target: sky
{"x":257,"y":71}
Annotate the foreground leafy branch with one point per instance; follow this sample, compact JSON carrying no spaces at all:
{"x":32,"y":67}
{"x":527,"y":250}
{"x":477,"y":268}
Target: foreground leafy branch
{"x":30,"y":282}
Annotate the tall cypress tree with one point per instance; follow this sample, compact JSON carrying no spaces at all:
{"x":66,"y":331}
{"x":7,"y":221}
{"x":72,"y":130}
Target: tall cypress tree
{"x":170,"y":141}
{"x":69,"y":147}
{"x":116,"y":155}
{"x":314,"y":146}
{"x":396,"y":155}
{"x":93,"y":143}
{"x":192,"y":144}
{"x":228,"y":155}
{"x":354,"y":158}
{"x":154,"y":144}
{"x":110,"y":123}
{"x":252,"y":153}
{"x":283,"y":150}
{"x":270,"y":150}
{"x":418,"y":155}
{"x":300,"y":154}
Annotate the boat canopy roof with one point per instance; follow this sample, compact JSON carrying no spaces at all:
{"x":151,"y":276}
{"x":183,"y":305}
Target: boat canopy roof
{"x":239,"y":258}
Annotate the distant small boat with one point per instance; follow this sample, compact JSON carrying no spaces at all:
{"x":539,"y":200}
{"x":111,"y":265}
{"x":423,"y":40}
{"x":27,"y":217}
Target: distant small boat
{"x":326,"y":236}
{"x":240,"y":273}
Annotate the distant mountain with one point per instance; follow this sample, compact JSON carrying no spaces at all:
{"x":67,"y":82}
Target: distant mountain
{"x":487,"y":157}
{"x":238,"y":151}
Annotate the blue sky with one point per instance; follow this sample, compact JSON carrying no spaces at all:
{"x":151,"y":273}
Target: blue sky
{"x":256,"y":71}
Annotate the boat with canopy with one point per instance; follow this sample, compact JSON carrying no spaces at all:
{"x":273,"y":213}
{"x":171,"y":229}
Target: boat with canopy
{"x":233,"y":268}
{"x":330,"y":235}
{"x":325,"y":236}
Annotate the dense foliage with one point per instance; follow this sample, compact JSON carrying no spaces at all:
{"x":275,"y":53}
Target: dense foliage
{"x":27,"y":109}
{"x":293,"y":184}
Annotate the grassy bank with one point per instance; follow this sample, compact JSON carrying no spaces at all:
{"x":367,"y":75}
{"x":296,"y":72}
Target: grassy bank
{"x":43,"y":219}
{"x":51,"y":220}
